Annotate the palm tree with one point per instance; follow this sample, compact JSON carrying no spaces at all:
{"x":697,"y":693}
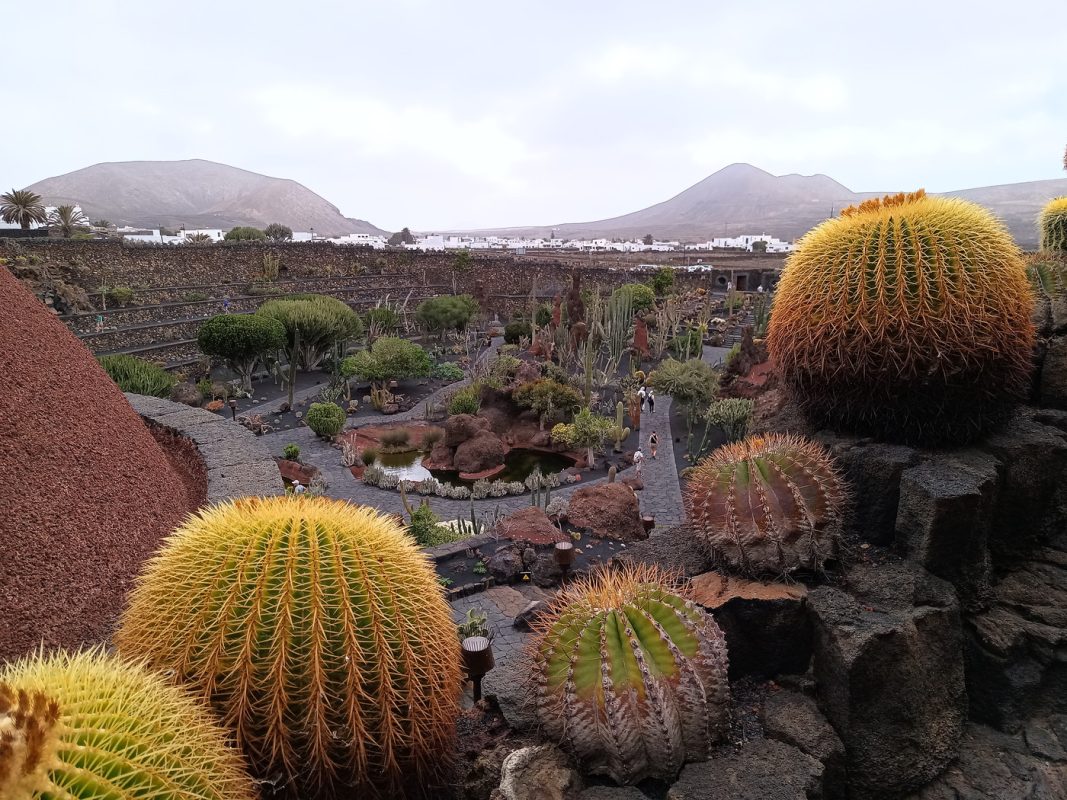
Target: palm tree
{"x":198,"y":238}
{"x":22,"y":206}
{"x":68,"y":219}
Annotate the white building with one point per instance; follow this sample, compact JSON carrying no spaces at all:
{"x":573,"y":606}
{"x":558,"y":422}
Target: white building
{"x":745,"y":242}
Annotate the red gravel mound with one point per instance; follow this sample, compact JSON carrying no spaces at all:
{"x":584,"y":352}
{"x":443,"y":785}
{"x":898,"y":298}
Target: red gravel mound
{"x":86,"y":492}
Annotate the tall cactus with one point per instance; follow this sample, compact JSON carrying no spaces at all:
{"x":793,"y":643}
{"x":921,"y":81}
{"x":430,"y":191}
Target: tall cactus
{"x":318,"y":632}
{"x":1052,"y":223}
{"x":767,"y":504}
{"x":906,"y":318}
{"x":620,"y":431}
{"x":86,"y":726}
{"x":630,"y":676}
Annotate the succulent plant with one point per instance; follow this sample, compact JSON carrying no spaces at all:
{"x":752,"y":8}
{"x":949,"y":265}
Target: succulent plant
{"x":767,"y":504}
{"x":1052,"y":223}
{"x":907,"y":318}
{"x":88,"y":725}
{"x":629,"y":675}
{"x":317,"y":631}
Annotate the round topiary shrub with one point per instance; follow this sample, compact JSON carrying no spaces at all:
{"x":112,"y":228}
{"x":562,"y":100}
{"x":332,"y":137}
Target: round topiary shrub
{"x":89,"y":726}
{"x":325,"y":419}
{"x":767,"y":505}
{"x":1052,"y":223}
{"x":317,"y":631}
{"x":514,"y":331}
{"x":630,"y":676}
{"x":907,"y":318}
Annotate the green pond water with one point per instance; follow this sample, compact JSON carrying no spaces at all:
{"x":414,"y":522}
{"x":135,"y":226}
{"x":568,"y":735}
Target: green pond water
{"x":518,"y":465}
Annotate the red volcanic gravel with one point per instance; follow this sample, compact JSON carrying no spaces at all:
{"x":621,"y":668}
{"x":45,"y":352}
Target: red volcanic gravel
{"x":86,"y":493}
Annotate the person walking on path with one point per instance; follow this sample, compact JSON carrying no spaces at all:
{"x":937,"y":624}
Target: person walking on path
{"x":638,"y":458}
{"x":226,"y":304}
{"x":642,"y":394}
{"x":653,"y":443}
{"x":651,"y":402}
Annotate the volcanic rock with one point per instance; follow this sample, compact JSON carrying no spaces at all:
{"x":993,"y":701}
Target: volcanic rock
{"x":762,"y":770}
{"x":608,"y":510}
{"x":482,"y":452}
{"x":461,"y":427}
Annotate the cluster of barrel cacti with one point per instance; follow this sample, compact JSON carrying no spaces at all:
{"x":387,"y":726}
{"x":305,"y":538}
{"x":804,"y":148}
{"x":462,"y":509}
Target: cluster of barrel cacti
{"x":1052,"y":223}
{"x":89,"y":726}
{"x":907,"y":318}
{"x":767,"y":505}
{"x":630,"y":676}
{"x":319,"y":634}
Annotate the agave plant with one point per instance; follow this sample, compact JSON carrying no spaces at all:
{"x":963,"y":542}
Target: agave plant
{"x":629,"y":675}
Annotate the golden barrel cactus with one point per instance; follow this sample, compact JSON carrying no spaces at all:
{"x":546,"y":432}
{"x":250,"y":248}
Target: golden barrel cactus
{"x":318,"y":632}
{"x":767,"y":505}
{"x":88,"y":726}
{"x":630,"y":676}
{"x":1052,"y":224}
{"x":907,"y":318}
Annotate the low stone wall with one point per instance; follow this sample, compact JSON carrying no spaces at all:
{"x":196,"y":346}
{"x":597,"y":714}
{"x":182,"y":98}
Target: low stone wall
{"x":237,"y":464}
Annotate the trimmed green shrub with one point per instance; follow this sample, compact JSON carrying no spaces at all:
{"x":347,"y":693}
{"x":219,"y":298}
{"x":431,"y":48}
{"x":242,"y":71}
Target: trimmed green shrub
{"x":388,"y":359}
{"x":445,"y":313}
{"x":291,"y":452}
{"x":447,"y":371}
{"x":138,"y":376}
{"x":325,"y":419}
{"x":120,"y":295}
{"x":514,"y":331}
{"x":241,"y":340}
{"x":244,"y":233}
{"x":642,"y":297}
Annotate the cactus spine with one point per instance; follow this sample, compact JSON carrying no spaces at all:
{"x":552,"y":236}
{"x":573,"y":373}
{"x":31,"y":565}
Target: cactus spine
{"x":620,"y":433}
{"x":1052,"y":223}
{"x":906,"y":318}
{"x":630,"y":676}
{"x":767,"y":505}
{"x":318,"y":632}
{"x":88,"y":726}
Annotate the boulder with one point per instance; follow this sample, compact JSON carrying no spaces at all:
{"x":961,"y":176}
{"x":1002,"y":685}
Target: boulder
{"x":612,"y":793}
{"x":544,"y":571}
{"x":608,"y":510}
{"x":889,"y":669}
{"x":505,"y":564}
{"x":538,"y":773}
{"x":482,"y":452}
{"x":872,"y":471}
{"x":793,"y":718}
{"x":461,"y":427}
{"x":529,"y":525}
{"x":767,"y":627}
{"x":506,"y":685}
{"x":946,"y":506}
{"x":761,"y":770}
{"x":499,"y":419}
{"x":673,"y":548}
{"x":1052,"y":388}
{"x":528,"y":617}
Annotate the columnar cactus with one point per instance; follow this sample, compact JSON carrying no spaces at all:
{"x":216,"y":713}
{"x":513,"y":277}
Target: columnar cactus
{"x":620,"y":431}
{"x":319,"y":633}
{"x":1052,"y":223}
{"x":89,"y":726}
{"x":767,"y":505}
{"x":630,"y":676}
{"x":907,"y":318}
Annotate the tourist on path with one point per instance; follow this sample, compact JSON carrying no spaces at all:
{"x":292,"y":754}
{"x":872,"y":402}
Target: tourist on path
{"x":638,"y":458}
{"x":642,"y":395}
{"x":651,"y":402}
{"x":653,"y":443}
{"x":298,"y":487}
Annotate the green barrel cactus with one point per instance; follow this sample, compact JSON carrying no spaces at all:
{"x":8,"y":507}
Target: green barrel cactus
{"x":630,"y":676}
{"x":319,"y":633}
{"x":88,"y":726}
{"x":1052,"y":224}
{"x":767,"y":505}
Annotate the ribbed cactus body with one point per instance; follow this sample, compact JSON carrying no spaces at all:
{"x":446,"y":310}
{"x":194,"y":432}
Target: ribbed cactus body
{"x":767,"y":504}
{"x":89,"y":726}
{"x":630,"y":677}
{"x":319,"y":633}
{"x":1052,"y":223}
{"x":907,"y":318}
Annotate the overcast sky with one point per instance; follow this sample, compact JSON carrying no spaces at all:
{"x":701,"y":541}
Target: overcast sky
{"x":459,"y":114}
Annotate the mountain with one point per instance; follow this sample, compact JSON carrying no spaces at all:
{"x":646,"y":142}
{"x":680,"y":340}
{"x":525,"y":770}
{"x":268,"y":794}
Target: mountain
{"x":196,"y":194}
{"x":742,"y":198}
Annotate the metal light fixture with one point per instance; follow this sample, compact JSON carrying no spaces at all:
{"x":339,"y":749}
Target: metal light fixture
{"x":564,"y":555}
{"x":233,"y":408}
{"x":478,"y":659}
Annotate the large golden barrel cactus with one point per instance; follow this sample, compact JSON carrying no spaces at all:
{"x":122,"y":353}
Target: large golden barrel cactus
{"x":88,"y":726}
{"x":767,"y":505}
{"x":630,"y":676}
{"x":1052,"y":223}
{"x":319,"y":633}
{"x":907,"y":318}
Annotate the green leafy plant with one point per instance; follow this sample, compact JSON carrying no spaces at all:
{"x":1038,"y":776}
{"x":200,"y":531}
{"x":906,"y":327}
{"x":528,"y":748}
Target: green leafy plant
{"x":137,"y":376}
{"x":388,"y":359}
{"x":381,"y":320}
{"x":245,"y":233}
{"x":767,"y":505}
{"x":446,"y":313}
{"x":466,"y":401}
{"x":479,"y":568}
{"x":587,"y":431}
{"x":516,"y":331}
{"x":732,"y":416}
{"x":291,"y":452}
{"x":630,"y":676}
{"x":325,"y":419}
{"x":447,"y":371}
{"x":642,"y":297}
{"x":277,"y":232}
{"x":241,"y":340}
{"x":331,"y":654}
{"x":547,"y":398}
{"x":476,"y":623}
{"x":662,"y":281}
{"x":120,"y":295}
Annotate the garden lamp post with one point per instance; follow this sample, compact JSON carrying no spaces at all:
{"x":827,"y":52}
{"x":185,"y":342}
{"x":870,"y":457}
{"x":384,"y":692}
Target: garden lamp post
{"x":233,"y":408}
{"x":564,"y":555}
{"x":477,"y":654}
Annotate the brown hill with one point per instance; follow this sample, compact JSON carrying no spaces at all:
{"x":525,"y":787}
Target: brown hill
{"x":742,"y":198}
{"x":194,"y":193}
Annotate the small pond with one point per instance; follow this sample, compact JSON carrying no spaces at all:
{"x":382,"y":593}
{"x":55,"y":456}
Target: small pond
{"x":518,"y":465}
